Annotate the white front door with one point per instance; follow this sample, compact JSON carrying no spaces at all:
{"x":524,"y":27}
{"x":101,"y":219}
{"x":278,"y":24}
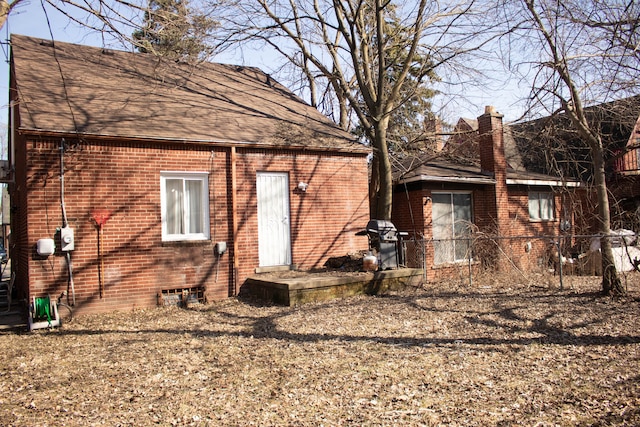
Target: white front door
{"x":274,"y":238}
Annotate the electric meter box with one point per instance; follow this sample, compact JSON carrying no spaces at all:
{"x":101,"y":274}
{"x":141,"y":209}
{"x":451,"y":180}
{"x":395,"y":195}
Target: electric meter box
{"x":66,"y":239}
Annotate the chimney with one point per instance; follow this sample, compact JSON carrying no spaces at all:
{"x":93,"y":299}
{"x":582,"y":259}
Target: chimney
{"x":433,"y":124}
{"x":493,"y":162}
{"x":491,"y":142}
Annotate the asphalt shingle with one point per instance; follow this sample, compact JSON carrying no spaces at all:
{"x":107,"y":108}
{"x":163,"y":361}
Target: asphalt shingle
{"x":67,"y":88}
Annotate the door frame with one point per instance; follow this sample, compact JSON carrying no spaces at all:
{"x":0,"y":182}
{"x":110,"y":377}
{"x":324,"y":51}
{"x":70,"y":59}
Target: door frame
{"x":282,"y":241}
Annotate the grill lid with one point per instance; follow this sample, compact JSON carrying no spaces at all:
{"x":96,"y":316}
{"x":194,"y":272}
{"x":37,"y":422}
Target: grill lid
{"x":383,"y":230}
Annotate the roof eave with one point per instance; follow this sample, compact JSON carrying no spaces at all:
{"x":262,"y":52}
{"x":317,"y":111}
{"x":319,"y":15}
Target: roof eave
{"x":451,"y":179}
{"x":478,"y":180}
{"x":543,"y":182}
{"x":217,"y":142}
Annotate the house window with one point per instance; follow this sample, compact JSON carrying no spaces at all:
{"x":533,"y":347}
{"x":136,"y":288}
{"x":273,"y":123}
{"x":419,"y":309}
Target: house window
{"x":451,"y":226}
{"x":185,"y":206}
{"x":541,"y":205}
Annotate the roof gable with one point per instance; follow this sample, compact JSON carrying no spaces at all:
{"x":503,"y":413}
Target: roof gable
{"x":70,"y":88}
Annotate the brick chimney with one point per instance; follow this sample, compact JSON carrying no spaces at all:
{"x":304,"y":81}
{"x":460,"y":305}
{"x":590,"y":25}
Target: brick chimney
{"x":491,"y":142}
{"x":433,"y":124}
{"x":493,"y":162}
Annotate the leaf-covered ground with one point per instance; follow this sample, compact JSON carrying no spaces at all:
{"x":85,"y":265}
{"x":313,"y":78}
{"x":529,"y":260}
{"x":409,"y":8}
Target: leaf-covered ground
{"x":488,"y":355}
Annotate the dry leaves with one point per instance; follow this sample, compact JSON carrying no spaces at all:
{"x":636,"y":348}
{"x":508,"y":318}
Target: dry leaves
{"x":486,"y":355}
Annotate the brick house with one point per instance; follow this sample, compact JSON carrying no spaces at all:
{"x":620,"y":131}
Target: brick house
{"x":444,"y":200}
{"x":151,"y":178}
{"x":550,"y":145}
{"x":625,"y":179}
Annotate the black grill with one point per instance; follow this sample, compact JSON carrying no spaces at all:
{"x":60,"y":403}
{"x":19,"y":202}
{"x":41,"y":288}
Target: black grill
{"x":386,"y":242}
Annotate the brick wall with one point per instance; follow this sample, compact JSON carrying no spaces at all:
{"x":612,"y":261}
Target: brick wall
{"x":517,"y":230}
{"x":124,"y":178}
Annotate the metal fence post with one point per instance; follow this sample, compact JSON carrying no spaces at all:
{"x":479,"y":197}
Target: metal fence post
{"x":557,"y":243}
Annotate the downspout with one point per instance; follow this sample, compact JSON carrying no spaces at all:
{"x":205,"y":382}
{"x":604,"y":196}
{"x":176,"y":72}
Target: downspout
{"x":12,"y":142}
{"x":234,"y":220}
{"x":70,"y":285}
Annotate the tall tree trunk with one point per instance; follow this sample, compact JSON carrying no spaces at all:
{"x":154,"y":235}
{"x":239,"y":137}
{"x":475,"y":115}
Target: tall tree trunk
{"x":385,"y":191}
{"x":562,"y":62}
{"x":374,"y":185}
{"x":611,"y":284}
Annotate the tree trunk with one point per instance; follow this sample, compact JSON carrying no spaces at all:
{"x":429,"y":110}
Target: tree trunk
{"x":611,"y":284}
{"x":385,"y":191}
{"x":374,"y":185}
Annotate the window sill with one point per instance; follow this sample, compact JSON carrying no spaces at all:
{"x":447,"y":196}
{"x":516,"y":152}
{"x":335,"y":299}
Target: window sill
{"x":186,"y":243}
{"x":456,"y":264}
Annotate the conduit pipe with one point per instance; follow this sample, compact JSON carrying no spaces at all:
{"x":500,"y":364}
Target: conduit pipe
{"x":234,"y":219}
{"x":70,"y":285}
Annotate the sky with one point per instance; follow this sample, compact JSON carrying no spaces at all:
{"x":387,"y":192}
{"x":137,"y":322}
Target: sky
{"x":29,"y":19}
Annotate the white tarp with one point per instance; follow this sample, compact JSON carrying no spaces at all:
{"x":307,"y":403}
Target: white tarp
{"x":623,"y":251}
{"x":621,"y":259}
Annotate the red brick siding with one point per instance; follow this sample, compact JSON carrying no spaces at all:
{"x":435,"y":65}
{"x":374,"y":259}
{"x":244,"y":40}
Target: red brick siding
{"x":125,"y":179}
{"x":410,"y":209}
{"x":324,"y":219}
{"x":498,"y":210}
{"x":518,"y":226}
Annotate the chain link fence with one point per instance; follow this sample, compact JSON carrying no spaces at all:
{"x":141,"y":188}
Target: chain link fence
{"x":535,"y":260}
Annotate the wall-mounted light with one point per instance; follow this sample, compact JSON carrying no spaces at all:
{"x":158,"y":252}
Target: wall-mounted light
{"x":302,"y":186}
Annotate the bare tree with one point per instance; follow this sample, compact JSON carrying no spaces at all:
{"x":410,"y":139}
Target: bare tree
{"x":364,"y":51}
{"x":580,"y":53}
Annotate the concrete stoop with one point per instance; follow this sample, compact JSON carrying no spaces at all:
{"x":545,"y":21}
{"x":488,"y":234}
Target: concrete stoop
{"x":318,"y":287}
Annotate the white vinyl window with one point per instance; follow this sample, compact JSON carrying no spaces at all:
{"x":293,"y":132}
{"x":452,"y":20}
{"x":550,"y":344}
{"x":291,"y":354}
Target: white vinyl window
{"x":541,"y":206}
{"x":451,"y":223}
{"x":184,"y":200}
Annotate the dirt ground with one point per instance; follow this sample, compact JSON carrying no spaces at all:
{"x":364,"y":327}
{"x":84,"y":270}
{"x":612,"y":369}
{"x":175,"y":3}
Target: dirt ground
{"x":499,"y":353}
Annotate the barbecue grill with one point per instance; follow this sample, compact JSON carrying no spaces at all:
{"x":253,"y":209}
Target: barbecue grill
{"x":387,"y":242}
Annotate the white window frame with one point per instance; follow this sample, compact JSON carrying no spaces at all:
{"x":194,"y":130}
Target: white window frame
{"x":539,"y":211}
{"x":440,"y":244}
{"x":203,"y":177}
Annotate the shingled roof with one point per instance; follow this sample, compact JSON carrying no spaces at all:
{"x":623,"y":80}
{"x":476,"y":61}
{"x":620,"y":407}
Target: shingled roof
{"x":66,"y":88}
{"x":444,"y":170}
{"x":551,"y":143}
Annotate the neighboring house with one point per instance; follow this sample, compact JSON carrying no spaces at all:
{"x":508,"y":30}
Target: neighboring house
{"x":443,"y":200}
{"x":551,"y":145}
{"x":156,"y":179}
{"x":624,"y":179}
{"x":629,"y":163}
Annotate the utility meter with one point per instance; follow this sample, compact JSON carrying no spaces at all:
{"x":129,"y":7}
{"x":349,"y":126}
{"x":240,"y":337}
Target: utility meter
{"x":66,"y":239}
